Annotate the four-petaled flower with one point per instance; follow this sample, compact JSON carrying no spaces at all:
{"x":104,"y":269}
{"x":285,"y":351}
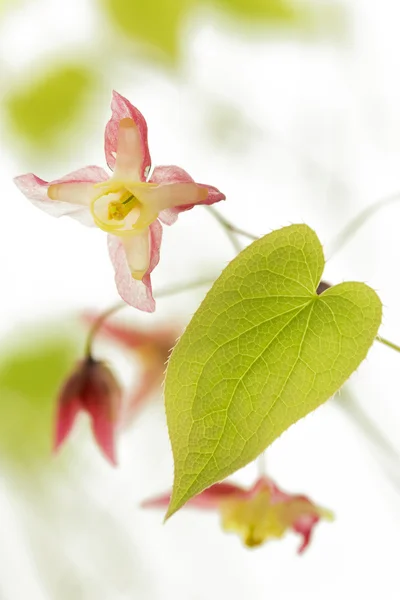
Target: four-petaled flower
{"x":259,"y":513}
{"x":152,"y":348}
{"x":91,"y":388}
{"x":129,"y":205}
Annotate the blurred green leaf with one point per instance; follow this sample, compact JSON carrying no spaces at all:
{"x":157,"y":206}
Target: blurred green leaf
{"x":277,"y":12}
{"x":45,"y":108}
{"x":30,"y":377}
{"x":157,"y":22}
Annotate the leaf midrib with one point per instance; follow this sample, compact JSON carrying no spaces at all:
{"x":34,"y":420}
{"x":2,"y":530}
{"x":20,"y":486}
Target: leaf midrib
{"x":212,"y":454}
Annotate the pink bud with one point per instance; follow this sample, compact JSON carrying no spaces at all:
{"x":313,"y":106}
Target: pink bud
{"x":92,"y":388}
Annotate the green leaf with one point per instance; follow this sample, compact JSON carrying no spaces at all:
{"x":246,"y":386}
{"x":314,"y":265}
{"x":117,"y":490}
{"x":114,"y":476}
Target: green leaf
{"x":156,"y":23}
{"x":42,"y":111}
{"x":31,"y":374}
{"x":275,"y":12}
{"x":262,"y":351}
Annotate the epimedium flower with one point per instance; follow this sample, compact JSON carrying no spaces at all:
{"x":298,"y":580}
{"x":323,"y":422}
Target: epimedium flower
{"x":257,"y":514}
{"x":151,"y":348}
{"x":92,"y":388}
{"x":129,"y":205}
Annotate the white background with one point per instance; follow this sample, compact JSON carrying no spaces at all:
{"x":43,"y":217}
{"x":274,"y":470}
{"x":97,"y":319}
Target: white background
{"x":312,"y":134}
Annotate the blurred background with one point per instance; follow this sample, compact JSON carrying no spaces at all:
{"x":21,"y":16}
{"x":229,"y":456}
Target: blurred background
{"x":291,"y":108}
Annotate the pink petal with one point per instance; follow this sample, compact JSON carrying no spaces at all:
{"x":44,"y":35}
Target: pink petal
{"x":69,"y":404}
{"x":101,"y":398}
{"x":276,"y":494}
{"x":66,"y":416}
{"x":304,"y":526}
{"x":159,"y":502}
{"x":162,"y":338}
{"x":168,"y":195}
{"x":209,"y":499}
{"x":137,"y":252}
{"x":127,"y":336}
{"x":174,"y":174}
{"x":136,"y":293}
{"x":150,"y":380}
{"x":305,"y":523}
{"x":35,"y":189}
{"x":123,"y":109}
{"x":103,"y":428}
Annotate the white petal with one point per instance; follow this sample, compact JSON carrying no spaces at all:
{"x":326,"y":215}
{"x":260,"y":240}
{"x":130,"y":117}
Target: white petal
{"x":129,"y":152}
{"x":137,"y":250}
{"x":169,"y":195}
{"x":73,"y":193}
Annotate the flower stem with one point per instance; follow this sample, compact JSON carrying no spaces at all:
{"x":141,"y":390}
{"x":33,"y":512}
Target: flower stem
{"x":344,"y":236}
{"x":231,"y":229}
{"x":262,"y":464}
{"x":162,"y":293}
{"x":386,"y":342}
{"x":97,"y":325}
{"x":354,"y":411}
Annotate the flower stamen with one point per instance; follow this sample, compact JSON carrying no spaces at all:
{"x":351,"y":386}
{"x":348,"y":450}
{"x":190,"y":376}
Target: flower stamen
{"x":118,"y":210}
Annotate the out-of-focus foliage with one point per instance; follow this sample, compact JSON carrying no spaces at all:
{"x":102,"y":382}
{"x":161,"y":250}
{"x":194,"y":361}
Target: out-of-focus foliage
{"x":262,"y":351}
{"x":45,"y":109}
{"x":31,"y":373}
{"x":42,"y":110}
{"x":275,"y":12}
{"x":156,"y":23}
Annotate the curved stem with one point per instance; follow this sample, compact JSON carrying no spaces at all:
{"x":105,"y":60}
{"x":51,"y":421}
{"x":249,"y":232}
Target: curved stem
{"x":183,"y":287}
{"x":344,"y":236}
{"x":262,"y":464}
{"x":354,"y":411}
{"x":231,"y":229}
{"x":97,"y":325}
{"x":386,"y":342}
{"x":341,"y":239}
{"x":162,"y":293}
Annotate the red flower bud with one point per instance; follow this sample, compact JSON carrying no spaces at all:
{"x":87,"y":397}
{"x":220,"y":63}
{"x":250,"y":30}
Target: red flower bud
{"x":92,"y":388}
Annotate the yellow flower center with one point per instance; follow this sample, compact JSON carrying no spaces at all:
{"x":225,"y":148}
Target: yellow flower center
{"x":122,"y":215}
{"x":118,"y":210}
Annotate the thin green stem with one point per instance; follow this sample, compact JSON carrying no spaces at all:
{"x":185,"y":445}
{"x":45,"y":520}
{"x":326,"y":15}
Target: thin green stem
{"x":183,"y":287}
{"x":262,"y":464}
{"x":98,"y":324}
{"x":344,"y":236}
{"x":354,"y":411}
{"x":231,"y":229}
{"x":162,"y":293}
{"x":386,"y":342}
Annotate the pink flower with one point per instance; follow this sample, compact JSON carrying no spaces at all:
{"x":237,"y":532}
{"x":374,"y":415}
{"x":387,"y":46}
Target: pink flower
{"x":258,"y":513}
{"x":151,"y":348}
{"x":92,"y":388}
{"x":129,"y":205}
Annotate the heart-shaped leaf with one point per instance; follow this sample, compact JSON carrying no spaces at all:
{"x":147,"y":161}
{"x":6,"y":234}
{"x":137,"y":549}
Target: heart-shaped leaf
{"x":262,"y":351}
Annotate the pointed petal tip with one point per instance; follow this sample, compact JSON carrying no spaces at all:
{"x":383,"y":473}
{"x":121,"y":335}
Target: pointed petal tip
{"x":17,"y":178}
{"x":105,"y":442}
{"x":148,"y":306}
{"x":111,"y":458}
{"x":57,"y":443}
